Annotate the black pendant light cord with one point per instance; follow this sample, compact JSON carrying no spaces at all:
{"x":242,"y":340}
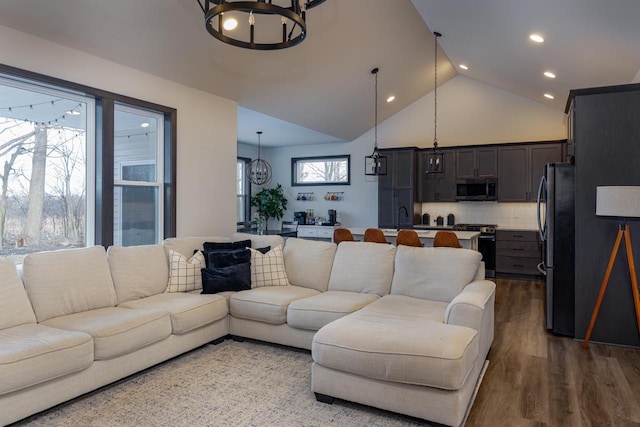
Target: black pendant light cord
{"x":375,"y":131}
{"x":435,"y":93}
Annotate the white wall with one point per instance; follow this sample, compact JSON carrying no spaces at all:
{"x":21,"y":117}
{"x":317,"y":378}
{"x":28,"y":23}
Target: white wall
{"x":469,"y":112}
{"x":207,"y":125}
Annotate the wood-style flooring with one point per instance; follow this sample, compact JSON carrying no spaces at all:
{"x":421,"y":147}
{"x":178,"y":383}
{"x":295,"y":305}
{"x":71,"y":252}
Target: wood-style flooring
{"x":537,"y":379}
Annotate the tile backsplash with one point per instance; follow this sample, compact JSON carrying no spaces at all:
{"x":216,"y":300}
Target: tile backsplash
{"x":505,"y":215}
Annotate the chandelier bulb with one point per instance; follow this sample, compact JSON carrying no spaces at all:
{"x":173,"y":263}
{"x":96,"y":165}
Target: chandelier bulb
{"x":252,"y":19}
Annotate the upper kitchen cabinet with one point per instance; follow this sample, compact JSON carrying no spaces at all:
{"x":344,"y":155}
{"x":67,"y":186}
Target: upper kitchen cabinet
{"x":437,"y":187}
{"x":476,"y":162}
{"x":521,"y":167}
{"x":397,"y":188}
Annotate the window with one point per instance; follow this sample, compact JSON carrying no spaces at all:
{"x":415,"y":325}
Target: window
{"x":80,"y":166}
{"x":325,"y":170}
{"x":243,"y":190}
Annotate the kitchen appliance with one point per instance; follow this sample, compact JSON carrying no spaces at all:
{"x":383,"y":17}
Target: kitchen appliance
{"x":451,"y":219}
{"x":486,"y":244}
{"x":556,"y":224}
{"x":476,"y":189}
{"x":439,"y":220}
{"x":301,"y":217}
{"x":426,"y":219}
{"x":332,"y":217}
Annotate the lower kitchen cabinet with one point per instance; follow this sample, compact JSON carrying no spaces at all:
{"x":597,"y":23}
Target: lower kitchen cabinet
{"x":315,"y":232}
{"x":518,"y":252}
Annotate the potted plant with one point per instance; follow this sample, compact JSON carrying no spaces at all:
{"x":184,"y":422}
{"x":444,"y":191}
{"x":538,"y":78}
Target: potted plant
{"x":270,"y":202}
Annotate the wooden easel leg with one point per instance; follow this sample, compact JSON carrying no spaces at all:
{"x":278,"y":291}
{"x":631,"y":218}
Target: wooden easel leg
{"x":632,"y":273}
{"x":603,"y":287}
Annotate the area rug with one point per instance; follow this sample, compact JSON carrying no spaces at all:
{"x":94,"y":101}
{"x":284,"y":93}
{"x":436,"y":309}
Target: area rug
{"x":231,"y":384}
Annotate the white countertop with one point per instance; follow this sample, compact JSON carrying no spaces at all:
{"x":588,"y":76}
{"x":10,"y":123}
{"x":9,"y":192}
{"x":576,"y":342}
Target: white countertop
{"x":427,"y":234}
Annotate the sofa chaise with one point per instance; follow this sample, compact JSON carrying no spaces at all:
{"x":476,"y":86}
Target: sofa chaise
{"x":415,"y":324}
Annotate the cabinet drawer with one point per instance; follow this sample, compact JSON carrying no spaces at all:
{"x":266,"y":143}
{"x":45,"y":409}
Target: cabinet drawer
{"x":307,"y":231}
{"x":325,"y":233}
{"x":518,"y":249}
{"x":517,"y":235}
{"x":517,"y":265}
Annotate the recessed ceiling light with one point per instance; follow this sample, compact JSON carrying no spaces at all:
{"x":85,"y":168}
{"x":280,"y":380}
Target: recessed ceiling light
{"x":536,"y":38}
{"x":230,"y":24}
{"x":391,"y":98}
{"x":549,"y":74}
{"x":464,"y":67}
{"x":144,"y":125}
{"x":549,"y":96}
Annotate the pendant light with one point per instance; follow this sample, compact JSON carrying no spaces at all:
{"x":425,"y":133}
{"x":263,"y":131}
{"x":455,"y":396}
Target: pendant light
{"x":376,"y":163}
{"x":259,"y":170}
{"x":435,"y":159}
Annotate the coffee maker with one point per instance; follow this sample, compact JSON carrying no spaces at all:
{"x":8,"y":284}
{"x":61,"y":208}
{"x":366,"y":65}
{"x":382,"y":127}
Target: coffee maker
{"x":332,"y":217}
{"x":300,"y":217}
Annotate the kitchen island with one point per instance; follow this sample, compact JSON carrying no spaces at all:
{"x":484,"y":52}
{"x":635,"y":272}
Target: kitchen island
{"x":468,"y":239}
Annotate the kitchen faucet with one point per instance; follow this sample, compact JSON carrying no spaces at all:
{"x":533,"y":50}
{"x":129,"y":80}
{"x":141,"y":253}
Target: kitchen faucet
{"x":406,"y":214}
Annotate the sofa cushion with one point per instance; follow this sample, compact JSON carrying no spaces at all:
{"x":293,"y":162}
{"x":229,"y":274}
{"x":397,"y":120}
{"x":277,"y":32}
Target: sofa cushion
{"x":187,"y":311}
{"x":316,"y":311}
{"x":267,"y":304}
{"x":15,"y":308}
{"x":138,"y":271}
{"x":268,"y":269}
{"x":363,"y":267}
{"x":308,"y":262}
{"x":399,"y":349}
{"x":68,"y":281}
{"x":184,"y":272}
{"x":32,"y":354}
{"x":408,"y":306}
{"x":434,"y":273}
{"x":186,"y":245}
{"x":117,"y":331}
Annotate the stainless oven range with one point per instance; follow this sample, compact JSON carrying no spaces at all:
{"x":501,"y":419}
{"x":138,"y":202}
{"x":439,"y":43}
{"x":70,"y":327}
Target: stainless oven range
{"x":486,"y":244}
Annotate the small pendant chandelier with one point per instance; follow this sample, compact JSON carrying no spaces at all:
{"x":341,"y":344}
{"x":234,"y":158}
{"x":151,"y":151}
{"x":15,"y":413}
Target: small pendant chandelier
{"x":376,"y":163}
{"x":435,"y":159}
{"x":259,"y":170}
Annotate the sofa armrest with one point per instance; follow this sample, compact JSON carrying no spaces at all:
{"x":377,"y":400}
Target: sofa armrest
{"x":474,"y":308}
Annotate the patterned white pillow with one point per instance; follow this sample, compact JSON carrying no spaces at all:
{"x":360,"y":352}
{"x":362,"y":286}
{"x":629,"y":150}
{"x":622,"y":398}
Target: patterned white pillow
{"x":185,"y":275}
{"x":268,"y":269}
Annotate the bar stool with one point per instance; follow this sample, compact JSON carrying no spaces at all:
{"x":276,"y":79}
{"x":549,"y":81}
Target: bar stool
{"x":447,"y":239}
{"x":374,"y":235}
{"x":408,"y":238}
{"x":342,"y":235}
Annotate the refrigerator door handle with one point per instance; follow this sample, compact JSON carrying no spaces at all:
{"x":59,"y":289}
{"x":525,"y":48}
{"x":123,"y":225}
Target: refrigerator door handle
{"x":542,"y":189}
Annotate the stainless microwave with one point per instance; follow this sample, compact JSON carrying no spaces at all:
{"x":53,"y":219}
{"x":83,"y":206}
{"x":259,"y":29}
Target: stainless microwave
{"x":476,"y":189}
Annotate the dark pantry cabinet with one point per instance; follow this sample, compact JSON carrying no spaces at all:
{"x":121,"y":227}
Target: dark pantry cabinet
{"x":520,"y":167}
{"x":605,"y":128}
{"x":397,"y":189}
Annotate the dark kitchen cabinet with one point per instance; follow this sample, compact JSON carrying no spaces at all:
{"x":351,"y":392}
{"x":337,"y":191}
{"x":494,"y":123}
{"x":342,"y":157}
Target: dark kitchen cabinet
{"x":437,"y":187}
{"x":518,"y":252}
{"x":397,"y":189}
{"x":477,"y":162}
{"x":520,"y":167}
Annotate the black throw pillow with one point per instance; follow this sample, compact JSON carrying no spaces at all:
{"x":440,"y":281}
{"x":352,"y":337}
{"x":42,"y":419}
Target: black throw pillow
{"x":231,"y":278}
{"x":240,"y":244}
{"x":222,"y":258}
{"x":264,"y":250}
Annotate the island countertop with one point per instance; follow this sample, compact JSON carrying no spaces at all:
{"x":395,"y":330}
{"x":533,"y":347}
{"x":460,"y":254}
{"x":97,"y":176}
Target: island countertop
{"x":468,"y":239}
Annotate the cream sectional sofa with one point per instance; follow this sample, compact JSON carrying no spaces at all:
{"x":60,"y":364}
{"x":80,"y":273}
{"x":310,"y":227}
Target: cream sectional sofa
{"x":415,"y":321}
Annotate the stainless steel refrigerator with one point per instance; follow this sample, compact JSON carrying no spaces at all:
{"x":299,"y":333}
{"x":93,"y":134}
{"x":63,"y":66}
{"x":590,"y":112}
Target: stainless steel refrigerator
{"x":556,"y":223}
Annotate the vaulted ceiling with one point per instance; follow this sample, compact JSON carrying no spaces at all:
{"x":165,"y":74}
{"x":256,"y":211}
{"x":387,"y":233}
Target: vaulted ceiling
{"x":322,"y":90}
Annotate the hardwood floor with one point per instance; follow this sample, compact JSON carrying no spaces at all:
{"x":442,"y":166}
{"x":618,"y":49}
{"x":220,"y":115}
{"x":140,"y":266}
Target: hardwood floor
{"x":536,"y":379}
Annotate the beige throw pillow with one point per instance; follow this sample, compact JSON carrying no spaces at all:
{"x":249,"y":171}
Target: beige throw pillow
{"x":268,"y":269}
{"x":184,"y":274}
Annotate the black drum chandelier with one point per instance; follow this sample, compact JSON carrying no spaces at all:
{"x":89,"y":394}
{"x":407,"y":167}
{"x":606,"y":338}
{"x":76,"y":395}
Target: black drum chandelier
{"x":259,"y":25}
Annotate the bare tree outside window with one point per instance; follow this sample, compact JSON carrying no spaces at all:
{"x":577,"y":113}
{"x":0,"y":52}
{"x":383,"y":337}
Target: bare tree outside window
{"x":327,"y":170}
